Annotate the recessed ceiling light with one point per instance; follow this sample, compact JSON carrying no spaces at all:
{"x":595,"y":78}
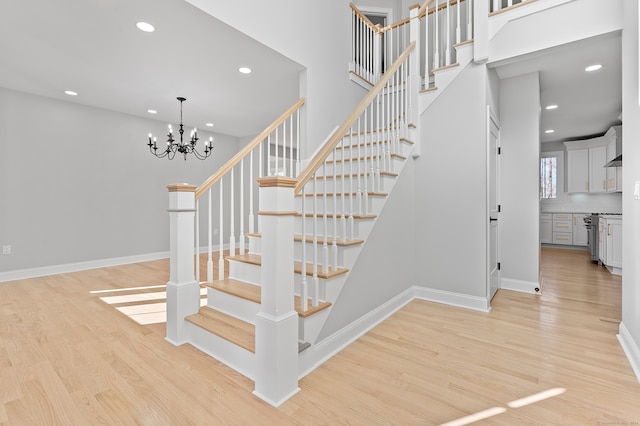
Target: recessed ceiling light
{"x":549,"y":131}
{"x":244,"y":70}
{"x":209,"y":124}
{"x":152,"y":111}
{"x":551,"y":107}
{"x":71,"y":93}
{"x":145,"y":26}
{"x":594,"y":67}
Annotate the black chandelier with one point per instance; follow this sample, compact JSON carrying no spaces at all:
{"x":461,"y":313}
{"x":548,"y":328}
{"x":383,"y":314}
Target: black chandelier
{"x":183,"y":148}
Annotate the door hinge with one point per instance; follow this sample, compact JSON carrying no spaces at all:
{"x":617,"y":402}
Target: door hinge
{"x":499,"y":207}
{"x":498,"y":266}
{"x":499,"y":150}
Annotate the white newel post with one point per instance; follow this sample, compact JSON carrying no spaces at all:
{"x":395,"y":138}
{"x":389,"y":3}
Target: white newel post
{"x":183,"y":291}
{"x":377,"y":54}
{"x":276,"y":378}
{"x":415,"y":78}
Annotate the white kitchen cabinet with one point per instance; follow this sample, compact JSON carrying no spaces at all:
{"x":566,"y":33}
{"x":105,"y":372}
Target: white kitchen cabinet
{"x":602,"y":240}
{"x":613,"y":235}
{"x":562,"y":228}
{"x":611,"y":171}
{"x":578,"y":170}
{"x":580,"y":237}
{"x":546,"y":228}
{"x":597,"y":171}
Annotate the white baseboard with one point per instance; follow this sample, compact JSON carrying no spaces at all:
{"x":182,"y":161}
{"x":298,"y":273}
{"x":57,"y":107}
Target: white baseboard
{"x":519,"y":285}
{"x":630,"y":348}
{"x":453,"y":299}
{"x":318,"y":354}
{"x":22,"y":274}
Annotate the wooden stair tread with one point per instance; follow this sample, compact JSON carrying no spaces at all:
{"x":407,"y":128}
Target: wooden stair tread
{"x":393,"y":174}
{"x":346,"y":194}
{"x":229,"y":328}
{"x":331,"y":215}
{"x":369,"y":157}
{"x":256,"y":259}
{"x":253,"y":292}
{"x":298,"y":237}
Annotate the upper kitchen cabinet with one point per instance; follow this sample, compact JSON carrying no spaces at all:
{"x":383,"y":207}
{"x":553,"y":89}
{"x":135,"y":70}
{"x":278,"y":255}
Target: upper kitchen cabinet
{"x":586,"y":160}
{"x":614,"y":150}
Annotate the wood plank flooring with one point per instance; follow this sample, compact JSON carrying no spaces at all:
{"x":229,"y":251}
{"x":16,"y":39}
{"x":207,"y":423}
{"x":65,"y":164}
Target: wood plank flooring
{"x":71,"y":356}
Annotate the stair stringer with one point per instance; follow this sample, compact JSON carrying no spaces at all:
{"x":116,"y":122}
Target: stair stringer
{"x":310,"y":327}
{"x":444,"y":76}
{"x":380,"y":282}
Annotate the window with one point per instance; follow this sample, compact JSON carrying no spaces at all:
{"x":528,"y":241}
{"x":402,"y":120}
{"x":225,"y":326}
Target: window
{"x":548,"y":178}
{"x":551,"y":176}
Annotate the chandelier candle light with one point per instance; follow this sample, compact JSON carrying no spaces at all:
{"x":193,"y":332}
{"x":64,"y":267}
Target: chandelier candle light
{"x":184,"y":148}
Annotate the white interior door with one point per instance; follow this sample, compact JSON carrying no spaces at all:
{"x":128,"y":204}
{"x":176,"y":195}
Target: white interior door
{"x":493,"y":198}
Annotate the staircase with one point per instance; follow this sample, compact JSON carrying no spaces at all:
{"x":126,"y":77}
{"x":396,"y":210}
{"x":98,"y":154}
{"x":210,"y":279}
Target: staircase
{"x":289,"y":261}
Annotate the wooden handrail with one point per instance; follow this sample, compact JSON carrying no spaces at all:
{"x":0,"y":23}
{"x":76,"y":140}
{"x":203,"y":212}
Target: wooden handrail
{"x":246,"y":150}
{"x":423,"y":9}
{"x":362,"y":16}
{"x":324,"y":152}
{"x":422,"y":12}
{"x":396,"y":25}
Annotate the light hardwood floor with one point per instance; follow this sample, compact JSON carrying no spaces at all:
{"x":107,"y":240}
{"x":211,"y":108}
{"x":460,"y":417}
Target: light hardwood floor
{"x":70,"y":356}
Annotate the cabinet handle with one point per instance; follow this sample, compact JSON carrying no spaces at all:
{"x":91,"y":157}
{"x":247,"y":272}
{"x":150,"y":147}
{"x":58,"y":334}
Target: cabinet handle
{"x":604,"y":185}
{"x":608,"y":229}
{"x":574,"y":220}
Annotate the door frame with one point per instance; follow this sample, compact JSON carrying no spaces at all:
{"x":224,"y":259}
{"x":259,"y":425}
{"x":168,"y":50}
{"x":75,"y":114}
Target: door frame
{"x":492,"y":121}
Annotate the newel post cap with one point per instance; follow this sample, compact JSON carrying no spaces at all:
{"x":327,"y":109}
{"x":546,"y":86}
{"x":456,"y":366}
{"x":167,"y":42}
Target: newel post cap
{"x":277,"y":181}
{"x":181,"y":187}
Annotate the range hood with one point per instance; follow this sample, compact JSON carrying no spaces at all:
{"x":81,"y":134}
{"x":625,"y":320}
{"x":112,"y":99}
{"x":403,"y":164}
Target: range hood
{"x":616,"y":162}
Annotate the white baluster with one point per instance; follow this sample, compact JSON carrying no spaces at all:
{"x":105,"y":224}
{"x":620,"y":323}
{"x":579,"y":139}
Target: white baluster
{"x":251,"y":185}
{"x":269,"y":170}
{"x":197,"y":238}
{"x":221,"y":242}
{"x":304,"y":287}
{"x":436,"y":47}
{"x":209,"y":240}
{"x":458,"y":7}
{"x":350,"y":223}
{"x":276,"y":171}
{"x":496,"y":5}
{"x":378,"y":142}
{"x":297,"y":142}
{"x":359,"y":148}
{"x":325,"y":247}
{"x":448,"y":28}
{"x":426,"y":50}
{"x":469,"y":29}
{"x":343,"y":221}
{"x":335,"y":210}
{"x":291,"y":169}
{"x":242,"y":207}
{"x":232,"y":235}
{"x":316,"y":289}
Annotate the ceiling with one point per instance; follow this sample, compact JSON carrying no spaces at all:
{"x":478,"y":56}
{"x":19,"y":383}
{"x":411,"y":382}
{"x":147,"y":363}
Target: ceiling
{"x":588,"y":102}
{"x":94,"y":48}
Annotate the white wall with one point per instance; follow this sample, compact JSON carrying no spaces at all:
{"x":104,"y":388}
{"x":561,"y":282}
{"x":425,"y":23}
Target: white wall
{"x":519,"y":219}
{"x":451,"y":212}
{"x":316,"y":35}
{"x":78,"y":184}
{"x":630,"y":327}
{"x":387,"y":265}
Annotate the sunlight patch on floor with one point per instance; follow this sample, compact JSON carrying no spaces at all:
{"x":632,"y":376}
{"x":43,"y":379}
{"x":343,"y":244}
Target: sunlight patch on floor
{"x":143,"y":307}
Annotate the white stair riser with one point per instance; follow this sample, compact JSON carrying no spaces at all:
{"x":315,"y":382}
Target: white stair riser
{"x":309,"y":328}
{"x":246,"y":272}
{"x":361,"y":227}
{"x":352,"y":167}
{"x":238,"y":307}
{"x":224,"y":351}
{"x":358,"y":183}
{"x":346,"y":255}
{"x":343,"y":204}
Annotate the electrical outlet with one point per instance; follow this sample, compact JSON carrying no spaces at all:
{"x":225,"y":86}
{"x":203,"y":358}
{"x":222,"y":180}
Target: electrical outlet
{"x":6,"y":249}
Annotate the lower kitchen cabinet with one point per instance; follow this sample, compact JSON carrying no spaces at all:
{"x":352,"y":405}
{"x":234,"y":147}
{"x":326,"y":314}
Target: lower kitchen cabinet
{"x":546,"y":228}
{"x":580,"y":237}
{"x":614,"y":245}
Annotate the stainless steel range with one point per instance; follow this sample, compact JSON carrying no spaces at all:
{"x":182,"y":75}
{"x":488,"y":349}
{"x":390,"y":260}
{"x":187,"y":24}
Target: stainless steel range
{"x":591,"y":222}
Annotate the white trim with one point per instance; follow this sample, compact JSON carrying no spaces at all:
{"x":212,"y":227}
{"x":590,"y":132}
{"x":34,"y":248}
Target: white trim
{"x":454,"y":299}
{"x":630,"y":349}
{"x":327,"y":348}
{"x":519,"y":285}
{"x":378,"y":11}
{"x":22,"y":274}
{"x":276,"y":404}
